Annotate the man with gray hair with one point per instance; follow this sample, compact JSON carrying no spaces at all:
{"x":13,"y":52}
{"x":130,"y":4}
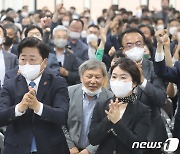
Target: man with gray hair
{"x":10,"y":44}
{"x":68,"y":65}
{"x":83,"y":98}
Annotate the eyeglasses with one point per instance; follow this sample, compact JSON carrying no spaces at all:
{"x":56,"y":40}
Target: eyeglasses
{"x":129,"y":46}
{"x":48,"y":16}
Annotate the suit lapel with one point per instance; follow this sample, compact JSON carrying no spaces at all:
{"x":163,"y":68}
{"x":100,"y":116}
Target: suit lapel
{"x":43,"y":85}
{"x":22,"y":86}
{"x":128,"y":114}
{"x":6,"y":61}
{"x":66,"y":59}
{"x":145,"y":68}
{"x":79,"y":101}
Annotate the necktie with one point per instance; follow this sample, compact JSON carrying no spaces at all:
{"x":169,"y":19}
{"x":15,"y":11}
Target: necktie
{"x":33,"y":145}
{"x":32,"y":84}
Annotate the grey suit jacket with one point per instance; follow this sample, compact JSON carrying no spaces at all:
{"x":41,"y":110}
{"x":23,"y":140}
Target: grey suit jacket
{"x":75,"y":115}
{"x":10,"y":60}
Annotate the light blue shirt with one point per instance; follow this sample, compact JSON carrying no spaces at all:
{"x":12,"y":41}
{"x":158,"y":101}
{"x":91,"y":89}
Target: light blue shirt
{"x":60,"y":57}
{"x":88,"y":106}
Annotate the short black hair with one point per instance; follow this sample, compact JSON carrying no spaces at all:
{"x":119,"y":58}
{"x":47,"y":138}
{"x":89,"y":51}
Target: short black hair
{"x":146,"y":18}
{"x":158,"y":19}
{"x":129,"y":66}
{"x":30,"y":27}
{"x":4,"y":30}
{"x":129,"y":30}
{"x":34,"y":42}
{"x":94,"y":26}
{"x":149,"y":27}
{"x":117,"y":54}
{"x":133,"y":20}
{"x":100,"y":19}
{"x":78,"y":20}
{"x":9,"y":19}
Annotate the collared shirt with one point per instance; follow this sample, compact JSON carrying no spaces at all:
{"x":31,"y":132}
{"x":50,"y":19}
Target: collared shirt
{"x":88,"y":106}
{"x":60,"y":57}
{"x":2,"y":67}
{"x":37,"y":80}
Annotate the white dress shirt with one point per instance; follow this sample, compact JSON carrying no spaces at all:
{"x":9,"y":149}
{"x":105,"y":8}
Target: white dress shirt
{"x":2,"y":67}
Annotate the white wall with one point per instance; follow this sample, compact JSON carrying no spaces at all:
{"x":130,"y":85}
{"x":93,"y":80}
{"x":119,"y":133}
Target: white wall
{"x":96,"y":5}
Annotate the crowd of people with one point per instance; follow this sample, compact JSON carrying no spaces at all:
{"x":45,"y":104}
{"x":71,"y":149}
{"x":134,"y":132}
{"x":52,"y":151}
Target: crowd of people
{"x":72,"y":85}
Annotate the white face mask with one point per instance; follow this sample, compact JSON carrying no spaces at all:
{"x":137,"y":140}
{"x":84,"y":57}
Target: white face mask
{"x":91,"y":37}
{"x":30,"y":72}
{"x":1,"y":40}
{"x":91,"y":93}
{"x":172,"y":30}
{"x":24,"y":14}
{"x":84,"y":34}
{"x":74,"y":35}
{"x":65,"y":23}
{"x":60,"y":43}
{"x":16,"y":19}
{"x":120,"y":88}
{"x":135,"y":54}
{"x":160,"y":27}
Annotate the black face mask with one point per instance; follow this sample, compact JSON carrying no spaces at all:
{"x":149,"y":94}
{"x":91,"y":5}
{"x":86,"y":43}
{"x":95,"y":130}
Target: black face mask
{"x":8,"y":41}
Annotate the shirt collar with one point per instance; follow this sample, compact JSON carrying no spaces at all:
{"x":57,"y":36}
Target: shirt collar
{"x":9,"y":50}
{"x":37,"y":80}
{"x":84,"y":95}
{"x":58,"y":54}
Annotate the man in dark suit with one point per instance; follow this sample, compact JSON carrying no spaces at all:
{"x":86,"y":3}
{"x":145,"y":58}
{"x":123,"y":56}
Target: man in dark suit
{"x":9,"y":44}
{"x":79,"y":48}
{"x":68,"y":65}
{"x":163,"y":14}
{"x":171,"y":74}
{"x":34,"y":115}
{"x":8,"y":60}
{"x":152,"y":89}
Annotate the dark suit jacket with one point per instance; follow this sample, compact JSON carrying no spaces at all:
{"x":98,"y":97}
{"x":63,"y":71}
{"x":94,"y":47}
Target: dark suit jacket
{"x":80,"y":51}
{"x":133,"y":126}
{"x":14,"y":49}
{"x":70,"y":64}
{"x":53,"y":93}
{"x":171,"y":74}
{"x":154,"y":95}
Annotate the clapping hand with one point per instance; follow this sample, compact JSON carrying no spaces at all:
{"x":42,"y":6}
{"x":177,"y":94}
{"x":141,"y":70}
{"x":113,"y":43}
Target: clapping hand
{"x":114,"y":111}
{"x":29,"y":101}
